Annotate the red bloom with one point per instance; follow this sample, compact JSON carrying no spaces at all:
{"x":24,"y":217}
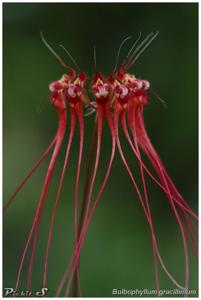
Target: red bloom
{"x":119,"y":100}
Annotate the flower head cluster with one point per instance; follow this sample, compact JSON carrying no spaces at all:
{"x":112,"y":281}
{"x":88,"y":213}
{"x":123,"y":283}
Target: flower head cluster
{"x":119,"y":99}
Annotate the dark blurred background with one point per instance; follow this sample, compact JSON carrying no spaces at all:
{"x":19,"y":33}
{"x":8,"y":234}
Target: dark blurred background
{"x":117,"y":252}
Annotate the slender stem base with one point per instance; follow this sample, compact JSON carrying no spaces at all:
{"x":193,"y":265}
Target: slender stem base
{"x":88,"y":173}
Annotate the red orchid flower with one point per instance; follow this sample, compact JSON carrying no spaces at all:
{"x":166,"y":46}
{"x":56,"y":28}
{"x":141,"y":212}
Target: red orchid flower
{"x":118,"y":100}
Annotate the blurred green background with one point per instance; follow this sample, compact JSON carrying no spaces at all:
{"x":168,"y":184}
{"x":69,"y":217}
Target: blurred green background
{"x":117,"y":252}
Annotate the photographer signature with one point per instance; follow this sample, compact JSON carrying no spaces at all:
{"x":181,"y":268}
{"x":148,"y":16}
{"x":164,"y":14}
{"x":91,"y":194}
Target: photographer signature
{"x":8,"y":292}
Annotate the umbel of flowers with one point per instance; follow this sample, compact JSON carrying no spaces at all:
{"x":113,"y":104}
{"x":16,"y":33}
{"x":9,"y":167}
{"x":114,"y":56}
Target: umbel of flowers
{"x":118,"y":100}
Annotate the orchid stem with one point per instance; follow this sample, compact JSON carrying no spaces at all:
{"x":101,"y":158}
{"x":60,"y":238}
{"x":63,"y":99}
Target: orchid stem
{"x":88,"y":172}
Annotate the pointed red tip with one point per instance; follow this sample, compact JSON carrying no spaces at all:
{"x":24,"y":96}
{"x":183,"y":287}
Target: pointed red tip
{"x":97,"y":76}
{"x":82,"y":76}
{"x":120,"y":73}
{"x":111,"y":79}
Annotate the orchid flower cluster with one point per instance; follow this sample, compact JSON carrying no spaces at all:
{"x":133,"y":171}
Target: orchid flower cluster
{"x":118,"y":100}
